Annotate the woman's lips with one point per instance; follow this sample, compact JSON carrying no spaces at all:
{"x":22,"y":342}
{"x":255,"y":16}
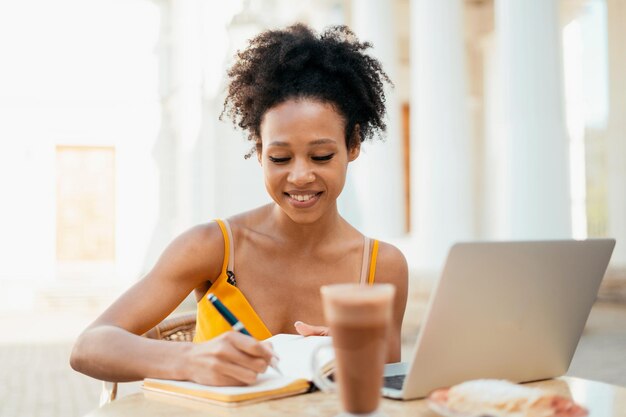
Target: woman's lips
{"x":303,"y":200}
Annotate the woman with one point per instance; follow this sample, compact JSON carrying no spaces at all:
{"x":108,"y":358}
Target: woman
{"x":307,"y":103}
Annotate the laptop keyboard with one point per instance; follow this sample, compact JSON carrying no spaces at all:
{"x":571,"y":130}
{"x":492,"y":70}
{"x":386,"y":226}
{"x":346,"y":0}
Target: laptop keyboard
{"x":394,"y":381}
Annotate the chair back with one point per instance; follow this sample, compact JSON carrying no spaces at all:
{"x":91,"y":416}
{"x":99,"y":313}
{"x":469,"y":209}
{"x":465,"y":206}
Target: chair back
{"x":176,"y":329}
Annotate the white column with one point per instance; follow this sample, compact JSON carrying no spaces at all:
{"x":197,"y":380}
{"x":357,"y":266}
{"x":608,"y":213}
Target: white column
{"x":192,"y":50}
{"x":493,"y":215}
{"x":616,"y":144}
{"x":162,"y":151}
{"x":533,"y":125}
{"x":441,"y":168}
{"x":240,"y":185}
{"x":179,"y":56}
{"x":377,"y":175}
{"x":185,"y":105}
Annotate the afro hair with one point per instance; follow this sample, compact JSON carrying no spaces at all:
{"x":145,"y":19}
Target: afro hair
{"x":296,"y":63}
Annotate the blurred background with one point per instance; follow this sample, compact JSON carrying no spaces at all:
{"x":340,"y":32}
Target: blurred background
{"x":507,"y":121}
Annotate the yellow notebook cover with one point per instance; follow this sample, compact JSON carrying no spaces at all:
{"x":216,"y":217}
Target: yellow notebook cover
{"x":295,"y":354}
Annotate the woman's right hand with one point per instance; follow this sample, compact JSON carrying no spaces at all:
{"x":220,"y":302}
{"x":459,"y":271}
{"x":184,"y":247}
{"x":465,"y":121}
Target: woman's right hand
{"x":229,"y":359}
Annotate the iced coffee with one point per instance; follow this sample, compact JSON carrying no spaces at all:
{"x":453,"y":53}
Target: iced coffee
{"x":360,"y":319}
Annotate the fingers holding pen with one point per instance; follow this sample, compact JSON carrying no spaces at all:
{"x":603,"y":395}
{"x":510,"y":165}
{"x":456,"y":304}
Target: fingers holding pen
{"x":230,"y":359}
{"x":251,"y":346}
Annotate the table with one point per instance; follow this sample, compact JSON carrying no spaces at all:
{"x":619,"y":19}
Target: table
{"x":602,"y":400}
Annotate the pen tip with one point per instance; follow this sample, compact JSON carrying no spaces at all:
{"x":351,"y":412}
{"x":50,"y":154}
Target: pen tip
{"x":274,"y":365}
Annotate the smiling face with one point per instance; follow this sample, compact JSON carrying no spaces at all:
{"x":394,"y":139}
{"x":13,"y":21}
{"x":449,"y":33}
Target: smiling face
{"x":304,"y":157}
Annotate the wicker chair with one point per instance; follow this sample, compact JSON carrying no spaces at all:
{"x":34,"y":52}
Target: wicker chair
{"x":179,"y":328}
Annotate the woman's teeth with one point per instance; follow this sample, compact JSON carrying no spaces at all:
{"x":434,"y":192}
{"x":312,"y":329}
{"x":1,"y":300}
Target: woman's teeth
{"x":299,"y":197}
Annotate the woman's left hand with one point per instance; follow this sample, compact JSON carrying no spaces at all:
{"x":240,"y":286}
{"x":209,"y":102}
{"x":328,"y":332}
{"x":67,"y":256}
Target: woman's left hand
{"x":309,"y":330}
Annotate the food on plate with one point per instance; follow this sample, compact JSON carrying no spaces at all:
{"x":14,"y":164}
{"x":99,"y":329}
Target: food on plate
{"x":499,"y":398}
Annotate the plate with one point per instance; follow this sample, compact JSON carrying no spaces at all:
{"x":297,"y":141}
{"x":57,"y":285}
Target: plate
{"x":563,"y":407}
{"x":437,"y":402}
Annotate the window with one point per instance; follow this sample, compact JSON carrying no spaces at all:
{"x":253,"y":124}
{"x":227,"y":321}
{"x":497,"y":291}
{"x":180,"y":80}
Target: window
{"x":85,"y":194}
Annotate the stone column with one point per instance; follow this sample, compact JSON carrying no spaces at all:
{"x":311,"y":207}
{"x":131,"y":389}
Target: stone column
{"x":184,"y":105}
{"x":533,"y":124}
{"x":495,"y":202}
{"x":441,"y":168}
{"x":616,"y":143}
{"x":377,"y":173}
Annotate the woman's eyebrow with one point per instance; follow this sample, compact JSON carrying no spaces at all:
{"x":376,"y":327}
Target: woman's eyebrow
{"x":278,"y":143}
{"x":323,"y":141}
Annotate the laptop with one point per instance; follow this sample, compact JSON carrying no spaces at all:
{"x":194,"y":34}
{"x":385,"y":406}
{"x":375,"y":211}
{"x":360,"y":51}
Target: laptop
{"x":504,"y":310}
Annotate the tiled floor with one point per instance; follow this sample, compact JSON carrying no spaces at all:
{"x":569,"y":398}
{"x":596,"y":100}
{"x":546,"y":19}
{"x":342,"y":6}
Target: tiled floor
{"x":36,"y":380}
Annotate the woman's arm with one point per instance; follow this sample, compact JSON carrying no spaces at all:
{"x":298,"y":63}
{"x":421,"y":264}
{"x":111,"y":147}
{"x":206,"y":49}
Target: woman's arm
{"x":111,"y":348}
{"x":391,"y":267}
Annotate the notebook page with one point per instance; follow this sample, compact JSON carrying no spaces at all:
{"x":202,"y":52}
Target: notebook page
{"x":295,"y":353}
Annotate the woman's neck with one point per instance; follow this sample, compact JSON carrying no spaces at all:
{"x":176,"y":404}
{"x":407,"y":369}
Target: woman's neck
{"x":306,"y":234}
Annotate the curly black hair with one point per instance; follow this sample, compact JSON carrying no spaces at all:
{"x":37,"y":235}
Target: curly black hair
{"x":279,"y":65}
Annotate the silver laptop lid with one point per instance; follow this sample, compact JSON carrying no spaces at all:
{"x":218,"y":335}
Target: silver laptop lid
{"x":509,"y":310}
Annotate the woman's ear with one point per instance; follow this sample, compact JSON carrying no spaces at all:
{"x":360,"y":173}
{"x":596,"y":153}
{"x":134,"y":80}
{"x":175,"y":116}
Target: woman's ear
{"x":355,"y":144}
{"x":259,"y":151}
{"x":354,"y":151}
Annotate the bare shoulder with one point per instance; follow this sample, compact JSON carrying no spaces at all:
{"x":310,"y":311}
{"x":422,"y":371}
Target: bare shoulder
{"x":196,"y":253}
{"x":202,"y":237}
{"x":392,"y":268}
{"x":189,"y":261}
{"x":391,"y":265}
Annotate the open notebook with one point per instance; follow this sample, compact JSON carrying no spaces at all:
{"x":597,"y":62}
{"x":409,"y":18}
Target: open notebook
{"x":295,"y":354}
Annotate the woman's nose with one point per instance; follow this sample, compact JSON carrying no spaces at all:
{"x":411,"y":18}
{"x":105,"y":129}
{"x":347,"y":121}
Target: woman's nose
{"x":301,"y":174}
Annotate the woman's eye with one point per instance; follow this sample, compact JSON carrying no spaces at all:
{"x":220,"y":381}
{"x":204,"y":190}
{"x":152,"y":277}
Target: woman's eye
{"x":278,"y":160}
{"x":323,"y":158}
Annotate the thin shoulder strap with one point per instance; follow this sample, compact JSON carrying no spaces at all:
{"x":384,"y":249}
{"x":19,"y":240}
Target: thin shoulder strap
{"x":228,"y":245}
{"x":231,"y":258}
{"x":366,"y":257}
{"x":372,"y":275}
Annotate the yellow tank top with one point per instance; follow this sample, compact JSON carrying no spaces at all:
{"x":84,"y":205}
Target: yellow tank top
{"x":209,"y":323}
